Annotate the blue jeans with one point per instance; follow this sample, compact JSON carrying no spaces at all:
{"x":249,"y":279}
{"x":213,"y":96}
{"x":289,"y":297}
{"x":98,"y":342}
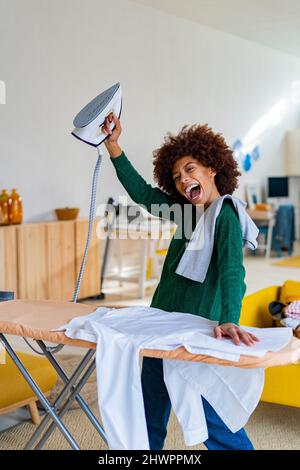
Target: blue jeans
{"x":158,"y":407}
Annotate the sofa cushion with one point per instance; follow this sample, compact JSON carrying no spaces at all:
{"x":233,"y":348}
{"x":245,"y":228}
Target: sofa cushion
{"x":290,"y":291}
{"x":13,"y":386}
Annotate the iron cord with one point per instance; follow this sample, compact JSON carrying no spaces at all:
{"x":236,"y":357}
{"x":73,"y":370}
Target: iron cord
{"x":59,"y":347}
{"x":91,"y":220}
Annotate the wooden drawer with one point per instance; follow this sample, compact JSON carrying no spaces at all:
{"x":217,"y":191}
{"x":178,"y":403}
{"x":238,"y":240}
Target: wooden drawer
{"x":91,"y":279}
{"x":8,"y":259}
{"x":41,"y":260}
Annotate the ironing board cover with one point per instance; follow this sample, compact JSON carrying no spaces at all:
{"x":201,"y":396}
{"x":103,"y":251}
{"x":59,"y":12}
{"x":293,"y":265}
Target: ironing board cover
{"x":36,"y":318}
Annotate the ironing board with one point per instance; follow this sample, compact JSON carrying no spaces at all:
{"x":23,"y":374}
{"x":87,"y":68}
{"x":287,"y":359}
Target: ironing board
{"x":37,"y":319}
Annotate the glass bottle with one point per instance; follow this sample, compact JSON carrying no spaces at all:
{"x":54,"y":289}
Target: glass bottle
{"x":15,"y":208}
{"x":4,"y":203}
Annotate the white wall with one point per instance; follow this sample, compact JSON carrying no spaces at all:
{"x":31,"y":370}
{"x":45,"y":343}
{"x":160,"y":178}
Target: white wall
{"x":56,"y":55}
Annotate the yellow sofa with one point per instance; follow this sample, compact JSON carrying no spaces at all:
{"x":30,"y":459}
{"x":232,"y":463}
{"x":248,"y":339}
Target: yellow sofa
{"x":15,"y":391}
{"x":282,"y":384}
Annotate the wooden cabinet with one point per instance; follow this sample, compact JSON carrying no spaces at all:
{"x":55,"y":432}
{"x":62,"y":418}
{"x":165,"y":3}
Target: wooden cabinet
{"x":8,"y":259}
{"x":42,"y":260}
{"x":32,"y":261}
{"x":60,"y":259}
{"x":91,"y":279}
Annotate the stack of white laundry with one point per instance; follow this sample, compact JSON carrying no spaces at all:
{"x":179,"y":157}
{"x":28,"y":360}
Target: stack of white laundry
{"x":120,"y":334}
{"x":292,"y":315}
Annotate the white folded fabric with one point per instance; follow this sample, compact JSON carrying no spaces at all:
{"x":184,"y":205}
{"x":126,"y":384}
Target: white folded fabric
{"x":196,"y":258}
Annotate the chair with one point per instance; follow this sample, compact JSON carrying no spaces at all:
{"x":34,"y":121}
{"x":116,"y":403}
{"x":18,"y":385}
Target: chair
{"x":158,"y":253}
{"x":284,"y":229}
{"x":264,"y":219}
{"x":282,"y":384}
{"x":14,"y":390}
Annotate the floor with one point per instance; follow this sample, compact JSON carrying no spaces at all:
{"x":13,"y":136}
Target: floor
{"x":271,"y":427}
{"x":10,"y":420}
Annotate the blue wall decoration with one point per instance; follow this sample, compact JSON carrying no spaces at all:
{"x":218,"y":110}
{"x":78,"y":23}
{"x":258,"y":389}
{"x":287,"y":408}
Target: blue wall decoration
{"x":255,"y":153}
{"x":245,"y":160}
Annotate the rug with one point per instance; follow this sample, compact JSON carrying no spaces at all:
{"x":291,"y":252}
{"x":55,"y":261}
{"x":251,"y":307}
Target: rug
{"x":292,"y":262}
{"x":271,"y":427}
{"x":69,"y":362}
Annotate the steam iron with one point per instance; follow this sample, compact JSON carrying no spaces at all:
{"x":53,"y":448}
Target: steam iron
{"x":90,"y":119}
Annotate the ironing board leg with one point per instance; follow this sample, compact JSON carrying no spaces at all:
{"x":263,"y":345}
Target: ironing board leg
{"x":51,"y":410}
{"x":67,"y":404}
{"x":63,"y":394}
{"x":78,"y":398}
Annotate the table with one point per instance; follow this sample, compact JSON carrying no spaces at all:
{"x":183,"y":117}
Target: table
{"x":264,"y":219}
{"x":148,"y":232}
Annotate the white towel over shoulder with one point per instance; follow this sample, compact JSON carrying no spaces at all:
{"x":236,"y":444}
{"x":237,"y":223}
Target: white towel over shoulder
{"x":196,"y":258}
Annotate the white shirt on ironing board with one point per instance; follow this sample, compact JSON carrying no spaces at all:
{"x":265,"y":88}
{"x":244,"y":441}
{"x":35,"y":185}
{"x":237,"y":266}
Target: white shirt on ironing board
{"x":121,"y":333}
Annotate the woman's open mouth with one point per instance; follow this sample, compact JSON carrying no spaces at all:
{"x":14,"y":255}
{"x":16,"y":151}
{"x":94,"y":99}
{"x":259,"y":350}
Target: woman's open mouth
{"x":193,"y":192}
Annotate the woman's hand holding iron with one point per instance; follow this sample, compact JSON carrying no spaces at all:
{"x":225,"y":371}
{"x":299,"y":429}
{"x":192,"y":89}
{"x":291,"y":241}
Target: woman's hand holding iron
{"x":111,"y":142}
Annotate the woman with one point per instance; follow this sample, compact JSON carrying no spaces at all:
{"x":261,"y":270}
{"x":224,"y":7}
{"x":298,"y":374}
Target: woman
{"x":195,"y":167}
